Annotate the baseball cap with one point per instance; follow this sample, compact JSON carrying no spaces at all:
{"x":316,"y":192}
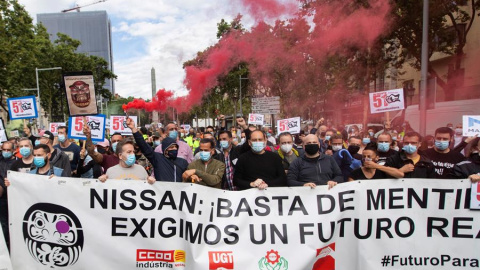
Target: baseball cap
{"x":49,"y":135}
{"x":104,"y":143}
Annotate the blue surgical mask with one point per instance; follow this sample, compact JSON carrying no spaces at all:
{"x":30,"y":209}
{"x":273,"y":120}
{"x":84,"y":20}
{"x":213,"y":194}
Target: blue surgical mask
{"x":173,"y":134}
{"x":205,"y":156}
{"x":371,"y":133}
{"x":25,"y":151}
{"x":37,"y":142}
{"x":39,"y":162}
{"x":156,"y":143}
{"x":394,"y":138}
{"x":61,"y":138}
{"x":114,"y":146}
{"x":366,"y":140}
{"x":258,"y":146}
{"x":269,"y":134}
{"x":7,"y":155}
{"x":410,"y":149}
{"x":442,"y":145}
{"x":327,"y":138}
{"x":224,"y":144}
{"x":130,"y":160}
{"x":383,"y":147}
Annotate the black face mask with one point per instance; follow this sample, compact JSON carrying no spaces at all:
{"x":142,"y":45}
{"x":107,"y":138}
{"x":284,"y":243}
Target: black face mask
{"x":172,"y":154}
{"x":312,"y":149}
{"x":101,"y":150}
{"x":138,"y":156}
{"x":353,"y":149}
{"x":323,"y":134}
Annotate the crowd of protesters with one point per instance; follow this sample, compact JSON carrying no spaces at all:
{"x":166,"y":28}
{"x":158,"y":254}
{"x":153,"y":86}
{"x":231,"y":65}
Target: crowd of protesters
{"x":244,"y":156}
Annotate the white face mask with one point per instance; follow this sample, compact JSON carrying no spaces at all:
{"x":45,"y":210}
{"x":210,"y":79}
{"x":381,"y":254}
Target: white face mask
{"x":286,"y":148}
{"x":336,"y":148}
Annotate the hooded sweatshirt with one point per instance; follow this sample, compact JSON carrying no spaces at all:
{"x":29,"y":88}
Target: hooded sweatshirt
{"x":164,"y":169}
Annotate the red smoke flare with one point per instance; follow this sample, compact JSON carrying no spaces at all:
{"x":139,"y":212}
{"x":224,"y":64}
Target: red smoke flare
{"x":282,"y":58}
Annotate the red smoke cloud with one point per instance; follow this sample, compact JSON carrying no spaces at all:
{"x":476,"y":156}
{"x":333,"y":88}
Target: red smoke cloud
{"x":277,"y":55}
{"x":159,"y":103}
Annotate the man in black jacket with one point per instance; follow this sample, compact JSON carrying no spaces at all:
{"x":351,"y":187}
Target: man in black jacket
{"x":314,"y":168}
{"x":166,"y":165}
{"x":409,"y":161}
{"x":258,"y":168}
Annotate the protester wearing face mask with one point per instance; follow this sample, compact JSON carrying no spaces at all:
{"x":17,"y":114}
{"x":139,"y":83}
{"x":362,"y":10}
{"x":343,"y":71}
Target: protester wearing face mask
{"x":384,"y":150}
{"x":371,"y":169}
{"x":43,"y":165}
{"x":314,"y":168}
{"x":26,"y":162}
{"x":409,"y":161}
{"x":336,"y":141}
{"x":142,"y":160}
{"x":87,"y":168}
{"x":167,"y":166}
{"x":108,"y":158}
{"x":287,"y":152}
{"x":184,"y":150}
{"x":366,"y":139}
{"x":258,"y":168}
{"x":470,"y":168}
{"x":126,"y":168}
{"x":57,"y":157}
{"x":349,"y":159}
{"x":206,"y":170}
{"x":70,"y":149}
{"x":229,"y":156}
{"x":458,"y":136}
{"x":442,"y":157}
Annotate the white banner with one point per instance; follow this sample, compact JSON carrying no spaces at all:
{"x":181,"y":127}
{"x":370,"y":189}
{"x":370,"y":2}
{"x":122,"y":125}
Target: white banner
{"x":383,"y":224}
{"x":95,"y":122}
{"x":291,"y":125}
{"x":22,"y":107}
{"x":14,"y":133}
{"x":118,"y":124}
{"x":266,"y":105}
{"x":391,"y":100}
{"x":475,"y":200}
{"x":471,"y":125}
{"x":5,"y":263}
{"x":53,"y":127}
{"x":256,"y":119}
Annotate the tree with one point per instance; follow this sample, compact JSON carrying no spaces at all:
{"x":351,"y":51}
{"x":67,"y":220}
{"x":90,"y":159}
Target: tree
{"x":26,"y":46}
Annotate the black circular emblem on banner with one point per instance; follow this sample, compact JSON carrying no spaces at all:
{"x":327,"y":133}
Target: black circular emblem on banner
{"x":53,"y":235}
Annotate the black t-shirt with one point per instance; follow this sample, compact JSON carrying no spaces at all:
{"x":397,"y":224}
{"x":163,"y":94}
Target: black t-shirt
{"x":444,"y":163}
{"x":358,"y":174}
{"x":382,"y":156}
{"x":20,"y":166}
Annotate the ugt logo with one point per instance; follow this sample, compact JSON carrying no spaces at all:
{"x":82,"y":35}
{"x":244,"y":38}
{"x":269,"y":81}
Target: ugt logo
{"x":325,"y":259}
{"x":273,"y":261}
{"x":53,"y":235}
{"x":220,"y":260}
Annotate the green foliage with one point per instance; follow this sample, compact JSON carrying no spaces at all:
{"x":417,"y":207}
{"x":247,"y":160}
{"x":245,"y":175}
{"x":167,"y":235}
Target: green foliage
{"x":26,"y":46}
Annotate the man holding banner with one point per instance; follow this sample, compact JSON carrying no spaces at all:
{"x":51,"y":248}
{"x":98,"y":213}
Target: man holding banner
{"x":258,"y":168}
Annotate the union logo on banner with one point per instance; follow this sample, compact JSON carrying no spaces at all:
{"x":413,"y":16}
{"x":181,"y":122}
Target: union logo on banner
{"x":220,"y":260}
{"x":272,"y":261}
{"x":324,"y":259}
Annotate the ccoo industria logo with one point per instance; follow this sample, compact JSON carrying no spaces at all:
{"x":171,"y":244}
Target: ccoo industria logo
{"x":53,"y":235}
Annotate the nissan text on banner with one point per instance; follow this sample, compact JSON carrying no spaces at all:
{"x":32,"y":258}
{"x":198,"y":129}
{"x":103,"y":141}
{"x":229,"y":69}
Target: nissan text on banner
{"x":68,"y":223}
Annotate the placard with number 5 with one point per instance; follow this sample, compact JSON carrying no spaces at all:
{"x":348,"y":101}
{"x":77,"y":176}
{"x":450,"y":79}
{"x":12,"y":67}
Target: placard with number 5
{"x":118,"y":124}
{"x":96,"y":123}
{"x":22,"y":107}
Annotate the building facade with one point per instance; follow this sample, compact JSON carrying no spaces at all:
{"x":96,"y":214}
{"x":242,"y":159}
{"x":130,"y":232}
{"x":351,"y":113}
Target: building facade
{"x":91,"y":28}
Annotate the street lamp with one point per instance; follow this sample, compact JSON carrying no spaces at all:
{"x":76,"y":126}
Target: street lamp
{"x":240,"y":94}
{"x":38,"y":92}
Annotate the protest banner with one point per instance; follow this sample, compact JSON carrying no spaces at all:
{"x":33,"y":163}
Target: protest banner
{"x":471,"y":125}
{"x":256,"y":119}
{"x":22,"y":107}
{"x":14,"y":133}
{"x":125,"y":224}
{"x":80,"y":91}
{"x":187,"y":127}
{"x":385,"y":101}
{"x":475,"y":200}
{"x":95,"y":122}
{"x":53,"y":127}
{"x":291,"y":125}
{"x":118,"y":124}
{"x":5,"y":263}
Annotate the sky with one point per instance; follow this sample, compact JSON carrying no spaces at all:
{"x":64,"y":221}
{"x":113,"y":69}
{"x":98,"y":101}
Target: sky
{"x":153,"y":33}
